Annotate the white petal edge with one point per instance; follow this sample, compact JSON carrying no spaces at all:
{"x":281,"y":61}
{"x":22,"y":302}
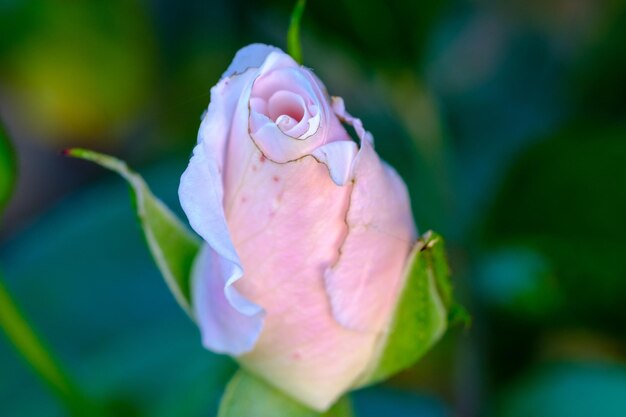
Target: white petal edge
{"x":201,"y":195}
{"x":218,"y":266}
{"x":250,"y":56}
{"x":339,"y":108}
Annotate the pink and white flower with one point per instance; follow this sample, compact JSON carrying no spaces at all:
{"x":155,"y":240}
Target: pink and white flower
{"x":306,"y":232}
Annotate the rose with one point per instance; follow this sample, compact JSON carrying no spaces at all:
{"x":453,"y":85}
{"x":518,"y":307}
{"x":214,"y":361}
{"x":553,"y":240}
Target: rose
{"x":306,"y":231}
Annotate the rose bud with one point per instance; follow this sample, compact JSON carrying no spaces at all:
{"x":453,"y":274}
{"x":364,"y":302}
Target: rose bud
{"x":306,"y":232}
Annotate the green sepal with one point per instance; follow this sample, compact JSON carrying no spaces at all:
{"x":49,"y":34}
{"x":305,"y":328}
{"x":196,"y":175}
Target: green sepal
{"x":423,"y":312}
{"x":248,"y":396}
{"x":171,"y":243}
{"x":458,"y":315}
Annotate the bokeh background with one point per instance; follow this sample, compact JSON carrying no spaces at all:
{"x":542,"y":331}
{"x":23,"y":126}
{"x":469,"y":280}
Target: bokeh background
{"x":507,"y":120}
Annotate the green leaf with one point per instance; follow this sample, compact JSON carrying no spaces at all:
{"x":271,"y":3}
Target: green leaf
{"x":39,"y":357}
{"x":172,"y":245}
{"x":421,"y":317}
{"x":294,"y":47}
{"x":91,"y":229}
{"x":28,"y":344}
{"x":248,"y":396}
{"x":17,"y":329}
{"x":8,"y":169}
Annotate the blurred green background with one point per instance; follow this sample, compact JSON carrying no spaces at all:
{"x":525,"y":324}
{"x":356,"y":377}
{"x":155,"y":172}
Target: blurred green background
{"x":507,"y":120}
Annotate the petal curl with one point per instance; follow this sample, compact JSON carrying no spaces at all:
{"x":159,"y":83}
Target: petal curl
{"x":224,"y":314}
{"x":338,"y":157}
{"x":279,"y":72}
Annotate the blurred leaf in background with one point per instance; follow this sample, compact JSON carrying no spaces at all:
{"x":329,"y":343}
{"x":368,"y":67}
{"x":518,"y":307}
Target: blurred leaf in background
{"x":519,"y":282}
{"x":568,"y":390}
{"x":565,"y":198}
{"x":8,"y":168}
{"x":597,"y":80}
{"x":80,"y":70}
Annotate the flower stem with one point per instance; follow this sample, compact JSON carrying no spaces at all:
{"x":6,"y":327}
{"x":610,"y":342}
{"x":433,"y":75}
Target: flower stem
{"x":294,"y":48}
